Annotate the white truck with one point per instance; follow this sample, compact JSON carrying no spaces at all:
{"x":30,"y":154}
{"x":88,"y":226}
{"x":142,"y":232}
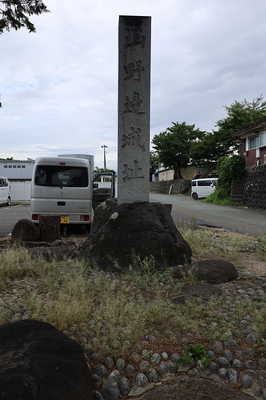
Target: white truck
{"x":64,"y":186}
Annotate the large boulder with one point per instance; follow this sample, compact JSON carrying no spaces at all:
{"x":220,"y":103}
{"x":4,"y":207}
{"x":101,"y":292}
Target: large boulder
{"x":38,"y":362}
{"x":199,"y":292}
{"x":123,"y":235}
{"x":211,"y":271}
{"x":25,"y":231}
{"x":216,"y":271}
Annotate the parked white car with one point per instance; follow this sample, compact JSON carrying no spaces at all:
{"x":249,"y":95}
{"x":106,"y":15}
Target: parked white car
{"x":5,"y":196}
{"x":203,"y":187}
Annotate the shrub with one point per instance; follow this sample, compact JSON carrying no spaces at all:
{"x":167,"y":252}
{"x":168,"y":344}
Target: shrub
{"x":229,"y":169}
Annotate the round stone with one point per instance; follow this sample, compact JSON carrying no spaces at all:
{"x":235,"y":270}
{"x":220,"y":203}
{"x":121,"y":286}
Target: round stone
{"x":155,"y":358}
{"x":111,"y":392}
{"x":211,"y":354}
{"x":251,"y":338}
{"x":124,"y":385}
{"x":232,"y":344}
{"x":144,"y":365}
{"x":214,"y":368}
{"x":164,"y":355}
{"x":95,"y":357}
{"x":97,"y":395}
{"x":141,"y":380}
{"x":250,"y":364}
{"x":130,"y":369}
{"x":239,"y":354}
{"x":152,"y":375}
{"x":175,"y":359}
{"x":120,"y":364}
{"x":109,"y":362}
{"x":246,"y":381}
{"x":114,"y":376}
{"x":163,"y":369}
{"x":250,"y":352}
{"x":97,"y":381}
{"x":217,"y":346}
{"x":237,"y":364}
{"x":262,"y":362}
{"x":233,"y":377}
{"x":99,"y":369}
{"x":262,"y":381}
{"x":223,"y":373}
{"x":252,"y":373}
{"x":172,"y":367}
{"x":228,"y":355}
{"x":223,"y":362}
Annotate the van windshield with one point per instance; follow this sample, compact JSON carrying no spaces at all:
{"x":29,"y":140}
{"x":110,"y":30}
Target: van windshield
{"x":62,"y":176}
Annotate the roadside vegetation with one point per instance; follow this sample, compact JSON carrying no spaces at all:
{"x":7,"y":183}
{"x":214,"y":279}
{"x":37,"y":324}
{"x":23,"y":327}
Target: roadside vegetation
{"x":111,"y":312}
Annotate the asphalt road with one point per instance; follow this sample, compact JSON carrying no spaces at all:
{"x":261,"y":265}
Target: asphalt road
{"x":233,"y":219}
{"x":10,"y":215}
{"x":184,"y":209}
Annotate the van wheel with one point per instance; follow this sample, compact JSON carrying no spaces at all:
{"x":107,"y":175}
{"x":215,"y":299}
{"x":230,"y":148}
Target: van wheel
{"x":8,"y":203}
{"x":195,"y":196}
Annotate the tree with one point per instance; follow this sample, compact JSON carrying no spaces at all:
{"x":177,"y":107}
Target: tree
{"x":208,"y":150}
{"x":154,"y":163}
{"x":15,"y":13}
{"x":241,"y":114}
{"x":173,"y":146}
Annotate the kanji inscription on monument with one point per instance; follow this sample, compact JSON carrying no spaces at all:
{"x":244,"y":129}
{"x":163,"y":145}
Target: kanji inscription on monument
{"x":134,"y":109}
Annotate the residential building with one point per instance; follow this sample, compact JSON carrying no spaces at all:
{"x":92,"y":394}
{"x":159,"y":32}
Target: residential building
{"x":252,"y":143}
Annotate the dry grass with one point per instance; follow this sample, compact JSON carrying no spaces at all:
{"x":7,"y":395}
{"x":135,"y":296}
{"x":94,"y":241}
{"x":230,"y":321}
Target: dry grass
{"x":112,"y":311}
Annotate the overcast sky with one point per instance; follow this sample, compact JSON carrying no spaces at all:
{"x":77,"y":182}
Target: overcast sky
{"x":59,"y":86}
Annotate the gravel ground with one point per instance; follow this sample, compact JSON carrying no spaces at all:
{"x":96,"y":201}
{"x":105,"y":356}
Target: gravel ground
{"x":156,"y":357}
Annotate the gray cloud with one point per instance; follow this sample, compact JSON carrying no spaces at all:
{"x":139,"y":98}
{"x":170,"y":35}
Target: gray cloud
{"x":59,"y":86}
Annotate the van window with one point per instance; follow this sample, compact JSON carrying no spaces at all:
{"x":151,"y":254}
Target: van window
{"x":204,"y":183}
{"x":63,"y":176}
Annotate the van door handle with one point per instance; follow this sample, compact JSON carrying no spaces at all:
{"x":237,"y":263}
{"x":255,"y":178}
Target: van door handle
{"x":61,"y":203}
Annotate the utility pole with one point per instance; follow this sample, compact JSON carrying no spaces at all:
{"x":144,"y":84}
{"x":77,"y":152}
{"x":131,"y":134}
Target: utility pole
{"x":104,"y":156}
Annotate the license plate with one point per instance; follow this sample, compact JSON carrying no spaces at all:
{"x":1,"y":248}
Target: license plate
{"x":64,"y":219}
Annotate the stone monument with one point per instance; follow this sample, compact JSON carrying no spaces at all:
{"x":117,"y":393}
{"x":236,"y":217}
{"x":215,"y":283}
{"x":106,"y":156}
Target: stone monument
{"x":134,"y":109}
{"x":132,"y":230}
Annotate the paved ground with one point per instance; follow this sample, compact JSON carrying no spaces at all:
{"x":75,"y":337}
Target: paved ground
{"x":184,"y":208}
{"x":244,"y":221}
{"x":10,"y":215}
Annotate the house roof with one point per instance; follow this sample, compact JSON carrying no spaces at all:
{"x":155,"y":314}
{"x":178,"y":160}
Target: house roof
{"x":256,"y":127}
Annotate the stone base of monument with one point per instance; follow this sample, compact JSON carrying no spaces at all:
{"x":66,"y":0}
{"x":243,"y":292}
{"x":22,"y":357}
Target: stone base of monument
{"x":125,"y":236}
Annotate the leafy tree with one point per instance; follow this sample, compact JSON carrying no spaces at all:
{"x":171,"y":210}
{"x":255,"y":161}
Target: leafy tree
{"x":15,"y":13}
{"x":154,"y":162}
{"x":173,"y":146}
{"x":240,"y":115}
{"x":208,"y":150}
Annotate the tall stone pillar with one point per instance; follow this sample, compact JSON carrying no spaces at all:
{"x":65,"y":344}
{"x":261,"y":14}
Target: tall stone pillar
{"x":134,"y":109}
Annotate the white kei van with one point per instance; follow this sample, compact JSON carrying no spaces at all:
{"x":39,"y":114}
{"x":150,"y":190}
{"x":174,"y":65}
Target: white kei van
{"x":5,"y":196}
{"x":63,"y":186}
{"x":203,"y":187}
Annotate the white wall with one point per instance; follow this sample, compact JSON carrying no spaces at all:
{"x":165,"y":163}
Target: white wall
{"x":20,"y":191}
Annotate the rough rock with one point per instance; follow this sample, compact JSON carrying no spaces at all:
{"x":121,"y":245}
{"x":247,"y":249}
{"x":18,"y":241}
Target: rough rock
{"x":50,"y":253}
{"x":216,"y":271}
{"x":187,"y":388}
{"x":200,"y":292}
{"x":211,"y":271}
{"x":38,"y":362}
{"x":123,"y":235}
{"x":24,"y":231}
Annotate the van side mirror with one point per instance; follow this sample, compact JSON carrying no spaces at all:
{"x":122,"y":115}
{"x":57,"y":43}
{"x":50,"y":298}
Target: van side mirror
{"x":95,"y":186}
